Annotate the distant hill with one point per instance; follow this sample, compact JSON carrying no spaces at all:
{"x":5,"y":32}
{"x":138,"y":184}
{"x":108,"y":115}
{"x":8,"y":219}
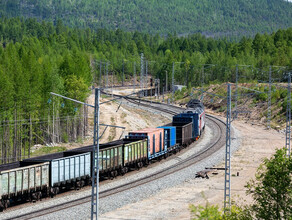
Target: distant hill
{"x":212,"y":18}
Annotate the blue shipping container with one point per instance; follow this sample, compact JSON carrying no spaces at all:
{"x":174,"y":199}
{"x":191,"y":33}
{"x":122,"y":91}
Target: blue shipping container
{"x":169,"y":136}
{"x":187,"y":118}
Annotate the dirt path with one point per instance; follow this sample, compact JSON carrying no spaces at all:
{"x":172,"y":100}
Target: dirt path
{"x":173,"y":203}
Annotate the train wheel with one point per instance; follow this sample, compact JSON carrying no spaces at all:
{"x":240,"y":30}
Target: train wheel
{"x":1,"y":206}
{"x":6,"y":204}
{"x":39,"y":196}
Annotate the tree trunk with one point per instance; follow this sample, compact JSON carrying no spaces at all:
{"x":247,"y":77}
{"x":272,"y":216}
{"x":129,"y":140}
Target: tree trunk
{"x":7,"y":143}
{"x":30,"y":135}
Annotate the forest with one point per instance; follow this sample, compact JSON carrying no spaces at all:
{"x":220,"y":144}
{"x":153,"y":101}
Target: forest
{"x":212,"y":18}
{"x":37,"y":58}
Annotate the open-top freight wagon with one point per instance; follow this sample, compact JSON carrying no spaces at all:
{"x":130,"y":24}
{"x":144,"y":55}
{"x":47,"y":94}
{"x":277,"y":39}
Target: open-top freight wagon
{"x":25,"y":182}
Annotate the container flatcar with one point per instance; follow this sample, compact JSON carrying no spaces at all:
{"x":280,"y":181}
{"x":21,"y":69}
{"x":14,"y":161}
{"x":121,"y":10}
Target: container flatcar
{"x":155,"y":137}
{"x":169,"y":137}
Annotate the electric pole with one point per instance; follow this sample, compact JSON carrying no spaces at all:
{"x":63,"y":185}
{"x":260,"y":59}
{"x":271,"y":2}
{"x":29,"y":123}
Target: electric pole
{"x":141,"y":74}
{"x":236,"y":90}
{"x":123,"y":73}
{"x":95,"y":165}
{"x":269,"y":98}
{"x":288,"y":118}
{"x":227,"y":190}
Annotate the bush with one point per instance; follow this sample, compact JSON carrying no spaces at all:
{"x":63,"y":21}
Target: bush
{"x":272,"y":188}
{"x":214,"y":213}
{"x":283,"y":93}
{"x":262,"y":97}
{"x":65,"y":137}
{"x":271,"y":191}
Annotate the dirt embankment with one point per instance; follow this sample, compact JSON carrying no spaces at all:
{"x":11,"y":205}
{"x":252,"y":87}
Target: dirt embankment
{"x":119,"y":114}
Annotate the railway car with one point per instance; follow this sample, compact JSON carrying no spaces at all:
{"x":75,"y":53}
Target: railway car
{"x":117,"y":157}
{"x":194,"y":104}
{"x":23,"y":182}
{"x":65,"y":171}
{"x":185,"y":118}
{"x":135,"y":153}
{"x":194,"y":114}
{"x":169,"y":137}
{"x":155,"y":138}
{"x":183,"y":134}
{"x":110,"y":157}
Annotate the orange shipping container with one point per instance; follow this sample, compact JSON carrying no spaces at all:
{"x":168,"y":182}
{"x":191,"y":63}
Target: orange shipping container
{"x":155,"y":138}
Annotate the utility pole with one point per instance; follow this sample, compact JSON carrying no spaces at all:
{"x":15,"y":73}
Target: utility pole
{"x":166,"y":82}
{"x":227,"y":202}
{"x":158,"y":88}
{"x":104,"y":75}
{"x":112,"y":84}
{"x":141,"y":74}
{"x":53,"y":139}
{"x":202,"y":78}
{"x":100,"y":73}
{"x":123,"y":73}
{"x":288,"y":118}
{"x":172,"y":79}
{"x":134,"y":71}
{"x":236,"y":91}
{"x":95,"y":165}
{"x":107,"y":74}
{"x":269,"y":98}
{"x":146,"y":73}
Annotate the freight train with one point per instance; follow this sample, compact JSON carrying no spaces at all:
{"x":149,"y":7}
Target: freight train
{"x":34,"y":178}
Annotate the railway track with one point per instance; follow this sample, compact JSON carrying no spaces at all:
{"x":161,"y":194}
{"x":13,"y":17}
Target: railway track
{"x":217,"y":142}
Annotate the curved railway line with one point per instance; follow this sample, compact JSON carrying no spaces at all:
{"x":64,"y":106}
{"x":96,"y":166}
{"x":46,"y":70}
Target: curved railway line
{"x":217,"y":142}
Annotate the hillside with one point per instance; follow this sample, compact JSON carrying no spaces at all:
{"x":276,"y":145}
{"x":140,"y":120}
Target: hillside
{"x":212,"y":18}
{"x":252,"y":107}
{"x":37,"y":58}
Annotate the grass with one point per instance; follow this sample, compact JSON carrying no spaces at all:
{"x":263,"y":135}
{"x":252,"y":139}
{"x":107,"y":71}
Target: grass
{"x":123,"y":115}
{"x":47,"y":150}
{"x":112,"y":130}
